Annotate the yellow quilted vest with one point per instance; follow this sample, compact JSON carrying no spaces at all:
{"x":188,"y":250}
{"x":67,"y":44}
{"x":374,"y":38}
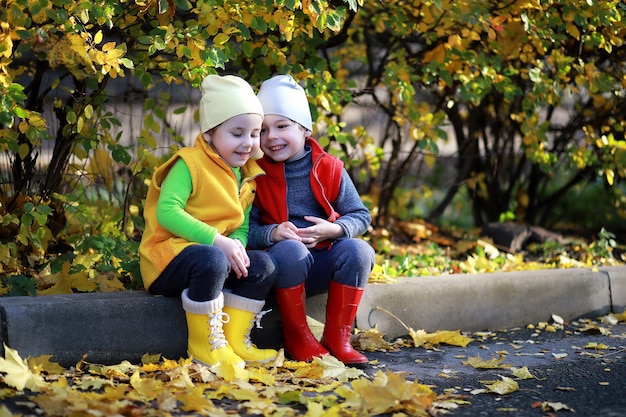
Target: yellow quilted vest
{"x":216,"y":200}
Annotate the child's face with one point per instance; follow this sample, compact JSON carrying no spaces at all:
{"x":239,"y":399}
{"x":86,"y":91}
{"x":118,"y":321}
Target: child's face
{"x":282,"y":139}
{"x":237,"y":139}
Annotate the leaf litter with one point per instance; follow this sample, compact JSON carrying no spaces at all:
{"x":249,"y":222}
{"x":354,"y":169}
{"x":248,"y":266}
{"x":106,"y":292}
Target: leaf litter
{"x":163,"y":387}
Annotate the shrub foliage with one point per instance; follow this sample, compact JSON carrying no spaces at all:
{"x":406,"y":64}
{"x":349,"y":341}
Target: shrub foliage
{"x":529,"y":95}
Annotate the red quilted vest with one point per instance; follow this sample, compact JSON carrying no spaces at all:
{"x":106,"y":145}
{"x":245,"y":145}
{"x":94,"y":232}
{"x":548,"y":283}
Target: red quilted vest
{"x":271,"y":189}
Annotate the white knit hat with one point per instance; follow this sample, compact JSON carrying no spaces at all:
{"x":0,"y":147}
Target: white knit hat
{"x":224,"y":97}
{"x":283,"y":96}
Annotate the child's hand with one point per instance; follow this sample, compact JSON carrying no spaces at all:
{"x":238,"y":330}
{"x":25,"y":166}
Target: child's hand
{"x":235,"y":253}
{"x":321,"y":230}
{"x":284,"y":231}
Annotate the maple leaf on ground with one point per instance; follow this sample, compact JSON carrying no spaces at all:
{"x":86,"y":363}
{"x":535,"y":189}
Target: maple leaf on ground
{"x":351,"y":398}
{"x":491,"y":363}
{"x":230,"y":372}
{"x":17,"y":373}
{"x":429,"y":340}
{"x":262,"y":375}
{"x":334,"y":368}
{"x":505,"y":386}
{"x":42,"y":364}
{"x":147,"y":388}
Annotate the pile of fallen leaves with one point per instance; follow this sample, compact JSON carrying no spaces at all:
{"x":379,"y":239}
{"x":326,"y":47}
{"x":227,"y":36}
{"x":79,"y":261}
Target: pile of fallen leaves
{"x":163,"y":387}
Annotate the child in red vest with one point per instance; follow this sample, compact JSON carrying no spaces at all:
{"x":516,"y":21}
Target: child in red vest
{"x":197,"y":213}
{"x":308,"y":213}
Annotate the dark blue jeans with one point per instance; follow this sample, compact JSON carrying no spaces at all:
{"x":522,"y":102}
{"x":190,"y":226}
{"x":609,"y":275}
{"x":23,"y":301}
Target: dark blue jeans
{"x":348,"y":262}
{"x":205,"y":270}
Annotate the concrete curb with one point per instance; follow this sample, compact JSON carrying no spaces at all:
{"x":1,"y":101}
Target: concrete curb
{"x":112,"y":327}
{"x":493,"y":301}
{"x":108,"y":327}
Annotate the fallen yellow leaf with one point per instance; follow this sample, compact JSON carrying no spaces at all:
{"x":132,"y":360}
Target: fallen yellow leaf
{"x":17,"y":373}
{"x":491,"y":363}
{"x":522,"y":373}
{"x":505,"y":386}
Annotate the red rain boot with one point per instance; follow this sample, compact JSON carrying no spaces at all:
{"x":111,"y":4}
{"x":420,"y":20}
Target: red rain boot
{"x":298,"y":340}
{"x":340,"y":313}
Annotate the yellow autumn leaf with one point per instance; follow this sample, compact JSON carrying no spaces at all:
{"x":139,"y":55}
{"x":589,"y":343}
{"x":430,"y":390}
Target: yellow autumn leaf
{"x":370,"y":340}
{"x":108,"y":282}
{"x":120,"y":370}
{"x":91,"y":383}
{"x":430,"y":160}
{"x":505,"y":386}
{"x":63,"y":282}
{"x":258,"y":406}
{"x":42,"y":364}
{"x":179,"y":375}
{"x":620,"y":316}
{"x":449,"y":337}
{"x":379,"y":275}
{"x":101,"y":166}
{"x":147,"y":388}
{"x":594,"y":329}
{"x":351,"y":398}
{"x":610,"y":176}
{"x":242,"y":392}
{"x":194,"y":400}
{"x":596,"y":345}
{"x":221,"y":38}
{"x":17,"y":373}
{"x":98,"y":37}
{"x":554,"y":406}
{"x":230,"y":372}
{"x":262,"y":375}
{"x":522,"y":373}
{"x":334,"y":368}
{"x":572,"y":29}
{"x":287,"y":25}
{"x":491,"y":363}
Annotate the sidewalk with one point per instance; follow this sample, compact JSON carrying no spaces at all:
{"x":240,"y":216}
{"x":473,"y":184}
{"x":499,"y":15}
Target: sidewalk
{"x":113,"y":327}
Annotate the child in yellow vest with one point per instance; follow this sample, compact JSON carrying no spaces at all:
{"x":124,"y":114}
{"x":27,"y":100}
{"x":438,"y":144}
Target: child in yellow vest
{"x":197,"y":213}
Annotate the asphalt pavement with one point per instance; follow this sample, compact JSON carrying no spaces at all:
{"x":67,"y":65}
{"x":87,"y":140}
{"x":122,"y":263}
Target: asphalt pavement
{"x":575,"y":370}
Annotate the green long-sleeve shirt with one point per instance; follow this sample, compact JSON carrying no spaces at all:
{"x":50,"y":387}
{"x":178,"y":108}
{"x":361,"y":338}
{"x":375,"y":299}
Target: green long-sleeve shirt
{"x":171,"y":214}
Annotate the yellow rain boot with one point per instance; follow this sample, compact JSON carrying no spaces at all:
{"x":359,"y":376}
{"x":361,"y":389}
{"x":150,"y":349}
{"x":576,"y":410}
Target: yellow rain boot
{"x":244,"y":313}
{"x":206,"y":343}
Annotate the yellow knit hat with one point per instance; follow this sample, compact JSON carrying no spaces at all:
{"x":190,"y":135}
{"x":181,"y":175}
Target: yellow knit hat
{"x":224,"y":97}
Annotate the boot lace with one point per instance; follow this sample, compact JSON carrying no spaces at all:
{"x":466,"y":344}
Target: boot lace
{"x":256,"y":321}
{"x":217,"y":339}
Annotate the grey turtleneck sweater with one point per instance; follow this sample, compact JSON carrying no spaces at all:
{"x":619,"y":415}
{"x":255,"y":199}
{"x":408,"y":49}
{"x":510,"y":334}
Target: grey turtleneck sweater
{"x":355,"y":217}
